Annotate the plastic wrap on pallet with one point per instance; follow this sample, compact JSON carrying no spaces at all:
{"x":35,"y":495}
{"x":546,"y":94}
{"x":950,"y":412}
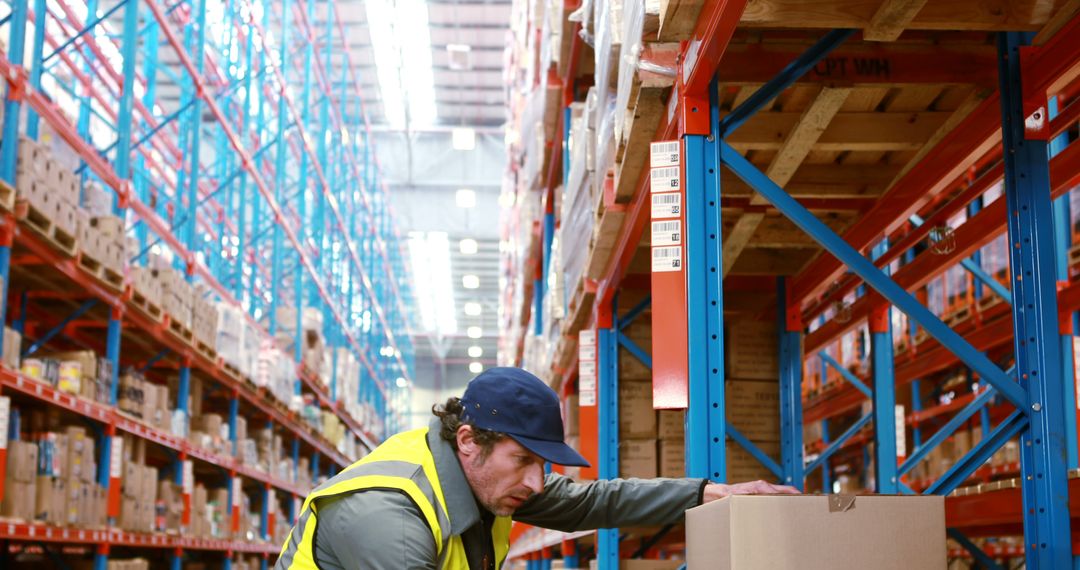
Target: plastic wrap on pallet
{"x":609,"y":39}
{"x":605,"y":148}
{"x":629,"y":54}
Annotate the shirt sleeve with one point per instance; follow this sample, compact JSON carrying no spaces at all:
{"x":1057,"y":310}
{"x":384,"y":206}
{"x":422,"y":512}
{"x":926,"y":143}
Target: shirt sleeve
{"x":376,"y":530}
{"x":569,"y":506}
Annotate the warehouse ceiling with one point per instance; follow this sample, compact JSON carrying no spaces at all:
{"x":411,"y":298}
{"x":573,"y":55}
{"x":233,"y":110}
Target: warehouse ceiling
{"x":416,"y":102}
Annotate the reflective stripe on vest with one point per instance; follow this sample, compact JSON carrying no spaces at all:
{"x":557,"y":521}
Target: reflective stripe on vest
{"x":404,"y":463}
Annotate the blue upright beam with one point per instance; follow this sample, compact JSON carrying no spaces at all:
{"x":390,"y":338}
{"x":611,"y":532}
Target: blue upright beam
{"x":607,"y":374}
{"x":1035,"y":317}
{"x":887,"y":478}
{"x":789,"y":330}
{"x":706,"y":425}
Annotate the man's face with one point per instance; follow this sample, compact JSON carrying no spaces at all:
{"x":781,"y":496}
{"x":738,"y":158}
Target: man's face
{"x":503,"y":480}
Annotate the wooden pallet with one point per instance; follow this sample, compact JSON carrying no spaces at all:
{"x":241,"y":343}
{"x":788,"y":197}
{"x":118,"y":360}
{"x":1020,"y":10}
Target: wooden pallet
{"x":146,"y":308}
{"x":42,"y":224}
{"x":179,"y":331}
{"x":7,"y":197}
{"x":1074,"y":256}
{"x":207,"y":350}
{"x":988,"y":302}
{"x":579,"y":309}
{"x":231,"y":371}
{"x":957,"y":317}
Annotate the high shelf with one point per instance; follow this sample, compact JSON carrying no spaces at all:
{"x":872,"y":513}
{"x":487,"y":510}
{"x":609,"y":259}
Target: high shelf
{"x":885,"y":188}
{"x":195,"y":245}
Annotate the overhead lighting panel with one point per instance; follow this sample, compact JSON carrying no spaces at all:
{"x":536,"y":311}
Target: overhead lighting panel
{"x":470,"y":282}
{"x":468,"y":246}
{"x":476,"y":367}
{"x":459,"y":56}
{"x":473,"y":309}
{"x":430,"y":257}
{"x":475,"y":352}
{"x":474,"y":332}
{"x":464,"y":138}
{"x":401,"y":40}
{"x":465,"y":198}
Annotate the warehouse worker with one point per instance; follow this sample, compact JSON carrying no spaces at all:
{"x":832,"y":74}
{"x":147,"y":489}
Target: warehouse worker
{"x":443,"y":496}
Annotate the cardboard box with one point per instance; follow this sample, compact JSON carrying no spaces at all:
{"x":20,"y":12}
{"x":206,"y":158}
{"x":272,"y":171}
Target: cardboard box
{"x":817,"y":532}
{"x":12,"y":348}
{"x":637,"y":418}
{"x":22,"y":460}
{"x":752,"y":351}
{"x":753,"y":407}
{"x":18,"y":500}
{"x":671,"y":424}
{"x":672,"y":458}
{"x":637,"y":458}
{"x":741,"y":466}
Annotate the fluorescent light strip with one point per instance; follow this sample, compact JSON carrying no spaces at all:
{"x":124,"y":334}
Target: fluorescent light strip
{"x":401,"y":39}
{"x":430,"y":257}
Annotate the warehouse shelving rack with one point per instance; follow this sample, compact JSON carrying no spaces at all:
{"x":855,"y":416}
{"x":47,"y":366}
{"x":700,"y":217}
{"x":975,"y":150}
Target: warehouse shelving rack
{"x":288,"y":129}
{"x":1025,"y":78}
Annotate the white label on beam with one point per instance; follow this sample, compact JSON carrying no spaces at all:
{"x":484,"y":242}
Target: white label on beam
{"x":663,"y":153}
{"x":667,"y":232}
{"x":667,"y":205}
{"x":666,"y":259}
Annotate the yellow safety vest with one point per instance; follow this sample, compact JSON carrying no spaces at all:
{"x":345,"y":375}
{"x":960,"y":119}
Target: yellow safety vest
{"x":405,"y":463}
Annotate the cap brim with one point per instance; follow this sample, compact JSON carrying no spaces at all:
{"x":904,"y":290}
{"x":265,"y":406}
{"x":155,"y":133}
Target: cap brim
{"x":556,"y":452}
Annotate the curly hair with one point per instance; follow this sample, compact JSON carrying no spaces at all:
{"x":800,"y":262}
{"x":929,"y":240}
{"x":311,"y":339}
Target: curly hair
{"x":449,"y":415}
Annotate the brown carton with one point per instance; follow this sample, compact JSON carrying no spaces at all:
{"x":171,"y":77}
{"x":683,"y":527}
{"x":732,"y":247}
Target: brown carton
{"x":752,"y":350}
{"x":817,"y":532}
{"x":571,"y":409}
{"x":672,"y":458}
{"x":637,"y":418}
{"x":637,"y":458}
{"x":741,"y":466}
{"x":753,"y":407}
{"x":671,"y":424}
{"x":19,"y":498}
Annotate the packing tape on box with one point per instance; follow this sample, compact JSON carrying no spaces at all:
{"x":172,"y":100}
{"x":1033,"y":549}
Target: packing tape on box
{"x":841,"y":503}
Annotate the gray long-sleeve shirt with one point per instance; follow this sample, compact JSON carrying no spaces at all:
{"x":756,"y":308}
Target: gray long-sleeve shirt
{"x":382,"y":529}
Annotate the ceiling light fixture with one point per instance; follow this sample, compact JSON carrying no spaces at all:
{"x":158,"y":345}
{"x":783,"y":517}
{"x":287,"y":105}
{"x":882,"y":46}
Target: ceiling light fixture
{"x":464,"y":138}
{"x":474,"y":332}
{"x":459,"y":56}
{"x":468,"y":246}
{"x":465,"y":198}
{"x":430,"y":256}
{"x":401,"y":382}
{"x":401,"y":39}
{"x":475,"y":352}
{"x":476,"y":367}
{"x":473,"y":309}
{"x":470,"y":282}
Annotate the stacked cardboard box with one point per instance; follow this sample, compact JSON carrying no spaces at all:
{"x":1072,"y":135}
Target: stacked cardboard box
{"x":671,"y":431}
{"x":178,"y":297}
{"x":113,"y":241}
{"x":210,"y":432}
{"x":169,"y":509}
{"x":637,"y":430}
{"x":144,"y":283}
{"x":752,"y":397}
{"x":144,"y":400}
{"x":83,"y":373}
{"x":49,"y":188}
{"x":204,"y":323}
{"x":12,"y":349}
{"x":18,"y":502}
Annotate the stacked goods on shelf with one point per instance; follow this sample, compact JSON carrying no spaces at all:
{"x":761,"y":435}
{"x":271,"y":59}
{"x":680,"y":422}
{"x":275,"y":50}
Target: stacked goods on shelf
{"x":139,"y":489}
{"x":82,"y":373}
{"x":204,"y":323}
{"x":51,"y":477}
{"x":276,"y":371}
{"x":177,"y":299}
{"x":12,"y":349}
{"x":48,"y":194}
{"x":313,"y":352}
{"x":237,"y":340}
{"x":147,"y":292}
{"x":671,"y":431}
{"x":637,"y":417}
{"x":752,"y":396}
{"x":147,"y":401}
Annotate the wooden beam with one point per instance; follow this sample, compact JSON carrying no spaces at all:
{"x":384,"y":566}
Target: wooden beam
{"x":891,"y":18}
{"x":847,"y":131}
{"x":1057,"y":21}
{"x":678,"y":18}
{"x":946,"y":127}
{"x":777,"y":232}
{"x":800,"y":139}
{"x":771,"y":262}
{"x":958,"y":15}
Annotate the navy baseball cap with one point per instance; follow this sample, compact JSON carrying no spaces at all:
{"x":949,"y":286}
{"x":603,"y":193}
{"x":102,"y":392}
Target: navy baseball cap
{"x":514,"y":402}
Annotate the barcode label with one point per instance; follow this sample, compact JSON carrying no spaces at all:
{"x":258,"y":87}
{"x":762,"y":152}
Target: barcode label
{"x":586,"y":381}
{"x":586,"y":398}
{"x":666,"y":259}
{"x":667,"y":233}
{"x":587,"y":338}
{"x":665,"y":153}
{"x":236,"y":490}
{"x":116,"y":457}
{"x":666,"y":205}
{"x":665,"y":179}
{"x":188,"y":478}
{"x":587,"y":367}
{"x":587,"y":353}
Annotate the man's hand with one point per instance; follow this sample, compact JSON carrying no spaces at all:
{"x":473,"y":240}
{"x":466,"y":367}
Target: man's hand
{"x":714,"y":491}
